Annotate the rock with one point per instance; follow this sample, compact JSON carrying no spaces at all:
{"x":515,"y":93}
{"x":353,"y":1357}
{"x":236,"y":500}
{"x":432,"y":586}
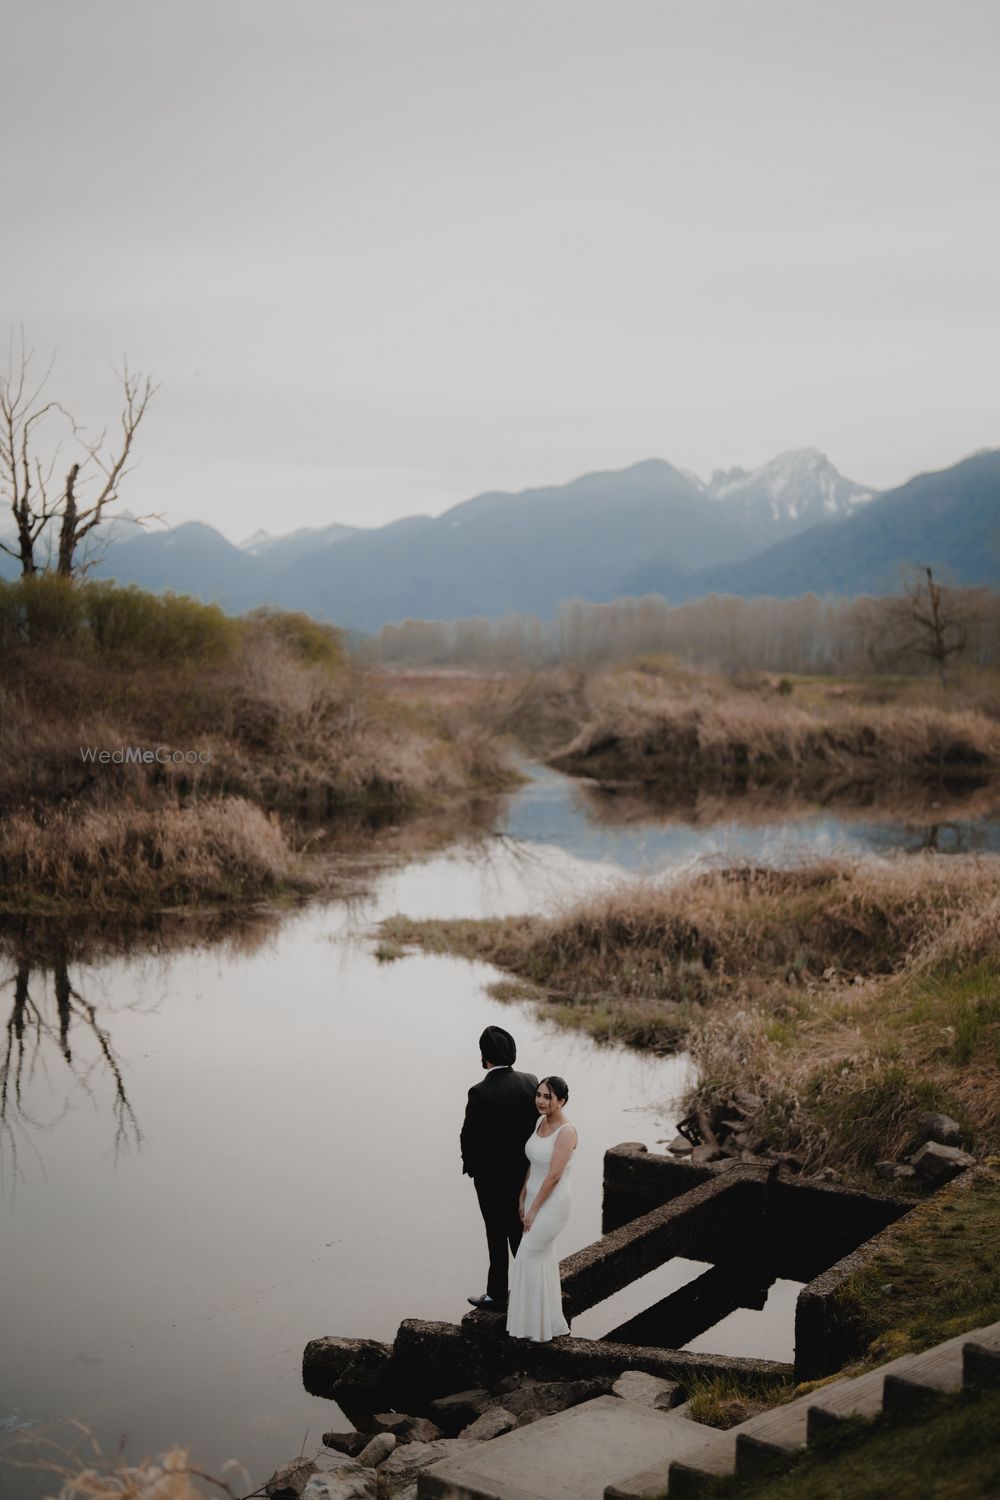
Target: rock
{"x":513,"y":1383}
{"x":332,"y":1463}
{"x":885,"y":1171}
{"x":829,"y":1174}
{"x":377,"y":1451}
{"x":350,"y":1482}
{"x":350,"y":1443}
{"x":492,"y":1423}
{"x":289,"y":1482}
{"x":940,"y":1128}
{"x":419,"y":1430}
{"x":647,"y":1390}
{"x":527,"y":1417}
{"x":556,"y":1395}
{"x":936,"y":1163}
{"x":390,"y":1421}
{"x":904,"y":1174}
{"x":352,"y":1368}
{"x":680,"y":1146}
{"x":452,"y":1413}
{"x":703,"y":1154}
{"x":407,"y":1429}
{"x":403,"y":1466}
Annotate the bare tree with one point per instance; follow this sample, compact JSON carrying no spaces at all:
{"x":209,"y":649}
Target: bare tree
{"x":934,"y":620}
{"x":30,"y":458}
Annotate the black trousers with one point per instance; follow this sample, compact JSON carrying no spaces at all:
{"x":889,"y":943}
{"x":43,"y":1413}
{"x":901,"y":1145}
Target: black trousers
{"x":498,"y":1198}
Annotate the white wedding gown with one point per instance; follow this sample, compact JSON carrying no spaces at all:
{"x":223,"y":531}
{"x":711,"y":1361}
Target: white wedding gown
{"x":535,"y":1307}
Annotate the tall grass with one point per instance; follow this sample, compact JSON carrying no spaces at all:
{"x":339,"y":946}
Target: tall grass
{"x":290,"y":723}
{"x":849,"y":998}
{"x":109,"y":860}
{"x":743,"y":742}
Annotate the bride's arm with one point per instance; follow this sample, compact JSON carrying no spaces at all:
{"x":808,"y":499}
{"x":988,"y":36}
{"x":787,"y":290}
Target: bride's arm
{"x":561,"y":1154}
{"x":520,"y":1201}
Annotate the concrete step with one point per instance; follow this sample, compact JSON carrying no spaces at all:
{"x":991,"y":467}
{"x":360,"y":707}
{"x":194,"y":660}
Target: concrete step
{"x":980,"y":1358}
{"x":578,"y":1454}
{"x":774,"y":1439}
{"x":936,"y":1372}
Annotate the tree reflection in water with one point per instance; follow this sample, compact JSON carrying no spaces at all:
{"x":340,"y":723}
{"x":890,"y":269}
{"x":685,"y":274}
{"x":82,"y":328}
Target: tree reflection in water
{"x":33,"y":1034}
{"x":55,"y":1035}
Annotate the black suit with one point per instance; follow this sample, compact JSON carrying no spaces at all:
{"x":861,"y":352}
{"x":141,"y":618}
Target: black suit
{"x":499,"y":1117}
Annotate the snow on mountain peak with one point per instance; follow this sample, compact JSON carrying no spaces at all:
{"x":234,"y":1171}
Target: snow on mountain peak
{"x":796,"y":486}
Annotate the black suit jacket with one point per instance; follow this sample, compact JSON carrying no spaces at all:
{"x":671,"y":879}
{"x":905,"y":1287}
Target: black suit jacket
{"x":499,"y":1117}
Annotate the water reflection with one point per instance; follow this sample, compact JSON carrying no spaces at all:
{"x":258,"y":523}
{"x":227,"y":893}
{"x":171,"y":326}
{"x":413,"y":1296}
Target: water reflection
{"x":651,"y":832}
{"x":49,"y":1016}
{"x":299,"y":1106}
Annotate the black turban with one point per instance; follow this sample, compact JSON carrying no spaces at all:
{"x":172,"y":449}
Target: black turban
{"x":498,"y":1047}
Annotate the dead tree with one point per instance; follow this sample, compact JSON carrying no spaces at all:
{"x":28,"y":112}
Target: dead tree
{"x":93,"y":479}
{"x":938,"y":622}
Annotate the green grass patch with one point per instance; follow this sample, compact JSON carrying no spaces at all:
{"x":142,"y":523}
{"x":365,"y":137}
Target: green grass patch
{"x":951,"y":1453}
{"x":726,"y":1400}
{"x":937,"y":1275}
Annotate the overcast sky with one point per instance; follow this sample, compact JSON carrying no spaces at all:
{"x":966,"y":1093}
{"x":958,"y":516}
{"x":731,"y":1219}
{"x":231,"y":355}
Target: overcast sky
{"x":386,"y":254}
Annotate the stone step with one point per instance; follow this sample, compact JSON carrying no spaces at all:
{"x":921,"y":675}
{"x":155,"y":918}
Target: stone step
{"x":935,"y":1372}
{"x":980,"y":1358}
{"x":577,"y":1454}
{"x":774,"y":1439}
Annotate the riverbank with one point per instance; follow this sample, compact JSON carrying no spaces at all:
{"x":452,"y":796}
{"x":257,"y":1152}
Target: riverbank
{"x":657,"y":725}
{"x":154,"y":751}
{"x":845,"y":999}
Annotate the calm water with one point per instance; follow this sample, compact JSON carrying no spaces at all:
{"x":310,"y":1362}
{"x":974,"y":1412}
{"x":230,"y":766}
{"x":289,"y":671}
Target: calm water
{"x":211,"y":1156}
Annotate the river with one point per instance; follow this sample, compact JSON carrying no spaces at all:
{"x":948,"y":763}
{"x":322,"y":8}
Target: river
{"x":212,"y":1154}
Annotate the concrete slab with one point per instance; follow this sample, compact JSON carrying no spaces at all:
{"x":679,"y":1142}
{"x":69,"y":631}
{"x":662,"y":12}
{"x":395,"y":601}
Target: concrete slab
{"x":574,"y":1455}
{"x":713,"y":1457}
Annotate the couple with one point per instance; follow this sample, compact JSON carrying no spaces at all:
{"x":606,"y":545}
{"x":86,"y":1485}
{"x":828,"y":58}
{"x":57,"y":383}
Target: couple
{"x":517,"y":1147}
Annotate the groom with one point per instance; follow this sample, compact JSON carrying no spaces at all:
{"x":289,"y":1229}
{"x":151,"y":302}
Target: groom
{"x":499,"y":1117}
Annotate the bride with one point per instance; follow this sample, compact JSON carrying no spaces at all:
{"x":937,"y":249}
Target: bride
{"x":535,"y":1307}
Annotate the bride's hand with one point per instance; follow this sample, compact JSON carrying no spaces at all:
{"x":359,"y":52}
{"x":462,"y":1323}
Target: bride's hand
{"x":527,"y":1221}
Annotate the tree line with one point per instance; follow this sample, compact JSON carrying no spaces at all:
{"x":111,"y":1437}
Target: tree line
{"x":926,"y":626}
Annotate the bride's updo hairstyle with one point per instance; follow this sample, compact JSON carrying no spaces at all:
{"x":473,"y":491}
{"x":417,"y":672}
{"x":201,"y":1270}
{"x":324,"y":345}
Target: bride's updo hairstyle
{"x":558,"y":1086}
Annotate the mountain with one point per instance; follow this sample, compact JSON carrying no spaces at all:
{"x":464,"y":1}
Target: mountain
{"x":759,"y":507}
{"x":189,"y":559}
{"x":794,"y":490}
{"x":791,"y":526}
{"x":282,"y":551}
{"x":596,"y":538}
{"x":949,"y":519}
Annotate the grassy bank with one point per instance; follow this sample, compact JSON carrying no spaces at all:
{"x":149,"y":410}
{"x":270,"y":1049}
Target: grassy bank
{"x":657,"y":724}
{"x":113,"y":861}
{"x":238,"y":718}
{"x":950,"y":1453}
{"x":847,"y":998}
{"x":908,"y":1297}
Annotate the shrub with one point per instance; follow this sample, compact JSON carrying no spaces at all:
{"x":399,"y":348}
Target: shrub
{"x":308,"y":640}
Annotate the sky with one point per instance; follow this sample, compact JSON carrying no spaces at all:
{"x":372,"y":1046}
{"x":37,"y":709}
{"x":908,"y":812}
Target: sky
{"x":383,"y":255}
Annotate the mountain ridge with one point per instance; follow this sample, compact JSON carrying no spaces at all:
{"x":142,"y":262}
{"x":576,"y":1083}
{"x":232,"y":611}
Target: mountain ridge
{"x":792,"y":525}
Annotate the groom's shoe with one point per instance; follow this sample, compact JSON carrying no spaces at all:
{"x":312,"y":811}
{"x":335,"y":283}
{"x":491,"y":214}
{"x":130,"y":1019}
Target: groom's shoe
{"x":487,"y":1303}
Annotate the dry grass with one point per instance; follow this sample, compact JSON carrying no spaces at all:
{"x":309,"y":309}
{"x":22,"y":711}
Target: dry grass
{"x":304,"y":737}
{"x":91,"y":1475}
{"x":742,"y":741}
{"x":106,"y":860}
{"x":848,"y":997}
